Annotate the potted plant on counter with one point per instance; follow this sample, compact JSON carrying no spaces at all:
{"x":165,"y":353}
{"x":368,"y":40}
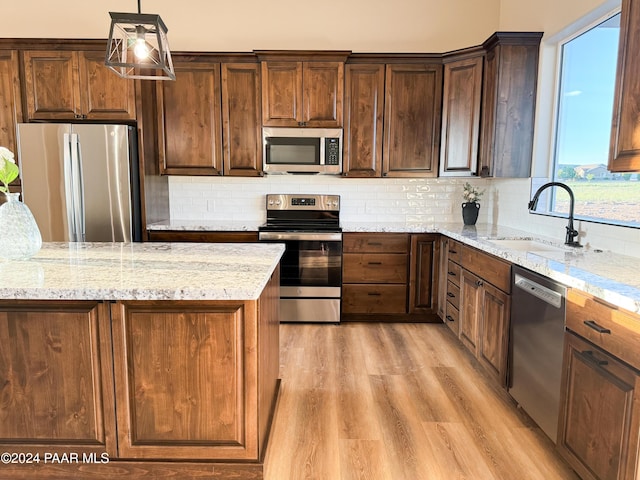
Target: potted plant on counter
{"x":471,"y":206}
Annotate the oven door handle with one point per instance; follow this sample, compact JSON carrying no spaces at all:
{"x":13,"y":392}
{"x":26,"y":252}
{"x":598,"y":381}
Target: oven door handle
{"x":309,"y":236}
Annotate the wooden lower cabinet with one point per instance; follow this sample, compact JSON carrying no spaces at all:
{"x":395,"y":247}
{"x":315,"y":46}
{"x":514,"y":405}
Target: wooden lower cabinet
{"x":599,"y":429}
{"x":56,"y":379}
{"x":478,"y":304}
{"x":202,"y":236}
{"x":389,"y":277}
{"x":145,"y":389}
{"x":470,"y":310}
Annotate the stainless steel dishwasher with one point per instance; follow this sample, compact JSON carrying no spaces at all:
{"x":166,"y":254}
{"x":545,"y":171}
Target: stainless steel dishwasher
{"x":537,"y":334}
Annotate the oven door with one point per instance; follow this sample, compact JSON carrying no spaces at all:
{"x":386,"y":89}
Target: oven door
{"x":310,"y":275}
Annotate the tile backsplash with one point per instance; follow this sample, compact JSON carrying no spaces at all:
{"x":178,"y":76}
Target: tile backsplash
{"x":413,"y":201}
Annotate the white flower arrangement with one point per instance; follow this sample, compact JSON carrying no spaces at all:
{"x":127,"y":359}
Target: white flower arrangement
{"x":471,"y":194}
{"x":9,"y":171}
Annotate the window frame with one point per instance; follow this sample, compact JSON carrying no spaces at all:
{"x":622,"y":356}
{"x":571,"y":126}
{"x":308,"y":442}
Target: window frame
{"x":546,"y":141}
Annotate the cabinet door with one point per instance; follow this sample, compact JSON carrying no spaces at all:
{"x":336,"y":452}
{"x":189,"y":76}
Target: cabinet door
{"x":282,"y":94}
{"x":322,"y":94}
{"x":186,"y":380}
{"x":56,"y":378}
{"x":10,"y":101}
{"x":624,"y":153}
{"x":423,"y":273}
{"x":51,"y":91}
{"x":508,"y":104}
{"x":104,"y":95}
{"x":241,"y":132}
{"x":493,"y":333}
{"x":189,"y":130}
{"x":364,"y":100}
{"x":470,"y":309}
{"x":461,"y":99}
{"x":600,"y":413}
{"x":443,"y":277}
{"x":412,"y":120}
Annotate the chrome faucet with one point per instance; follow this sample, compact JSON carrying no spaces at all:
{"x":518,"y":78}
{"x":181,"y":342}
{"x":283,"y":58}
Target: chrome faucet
{"x":572,"y":233}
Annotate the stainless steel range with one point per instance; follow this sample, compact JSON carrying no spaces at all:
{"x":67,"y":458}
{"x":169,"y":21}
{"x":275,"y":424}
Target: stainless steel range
{"x":311,"y":267}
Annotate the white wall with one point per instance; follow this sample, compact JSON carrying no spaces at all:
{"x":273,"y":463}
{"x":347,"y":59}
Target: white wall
{"x":246,"y":25}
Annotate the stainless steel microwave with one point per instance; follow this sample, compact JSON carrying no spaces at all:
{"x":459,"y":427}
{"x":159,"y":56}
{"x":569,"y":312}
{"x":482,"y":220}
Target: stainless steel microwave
{"x":302,"y":150}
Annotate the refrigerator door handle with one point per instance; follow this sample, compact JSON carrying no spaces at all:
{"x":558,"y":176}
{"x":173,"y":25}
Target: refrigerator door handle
{"x":78,"y":189}
{"x":69,"y":188}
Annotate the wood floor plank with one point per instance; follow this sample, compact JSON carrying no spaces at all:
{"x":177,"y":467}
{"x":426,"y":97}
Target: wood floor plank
{"x":397,"y":402}
{"x":363,"y":460}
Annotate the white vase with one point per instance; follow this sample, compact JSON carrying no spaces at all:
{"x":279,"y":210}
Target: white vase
{"x":20,"y":237}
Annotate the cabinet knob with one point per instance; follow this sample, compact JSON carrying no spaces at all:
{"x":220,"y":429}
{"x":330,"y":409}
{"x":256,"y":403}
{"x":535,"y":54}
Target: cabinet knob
{"x":450,"y":318}
{"x":479,"y":283}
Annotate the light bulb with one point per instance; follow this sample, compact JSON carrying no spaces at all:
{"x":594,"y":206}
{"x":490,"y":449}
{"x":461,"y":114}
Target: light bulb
{"x":141,"y":49}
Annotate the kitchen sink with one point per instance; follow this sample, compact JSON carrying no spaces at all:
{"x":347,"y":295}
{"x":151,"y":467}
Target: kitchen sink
{"x":527,"y":245}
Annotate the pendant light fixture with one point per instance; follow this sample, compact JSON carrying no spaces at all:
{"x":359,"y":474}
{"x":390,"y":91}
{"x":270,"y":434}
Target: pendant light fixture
{"x":138,"y":47}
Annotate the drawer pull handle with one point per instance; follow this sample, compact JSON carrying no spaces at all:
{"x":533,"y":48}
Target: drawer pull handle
{"x":479,"y":283}
{"x":596,"y":327}
{"x":453,"y":274}
{"x":451,"y":295}
{"x":453,"y":251}
{"x":374,"y":294}
{"x":589,"y":356}
{"x":375,"y":263}
{"x":450,"y":318}
{"x":374,"y":244}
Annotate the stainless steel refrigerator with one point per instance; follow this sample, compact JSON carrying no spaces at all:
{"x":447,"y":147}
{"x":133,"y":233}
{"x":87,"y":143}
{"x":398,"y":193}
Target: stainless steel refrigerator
{"x":81,"y":181}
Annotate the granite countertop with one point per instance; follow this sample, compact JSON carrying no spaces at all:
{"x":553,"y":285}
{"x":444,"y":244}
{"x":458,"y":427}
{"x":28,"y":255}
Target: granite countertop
{"x":206,"y":226}
{"x":610,"y":276}
{"x":606,"y":275}
{"x":141,"y":271}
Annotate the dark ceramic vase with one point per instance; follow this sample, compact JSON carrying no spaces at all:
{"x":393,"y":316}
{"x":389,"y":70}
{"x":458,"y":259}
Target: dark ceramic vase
{"x":470,"y":212}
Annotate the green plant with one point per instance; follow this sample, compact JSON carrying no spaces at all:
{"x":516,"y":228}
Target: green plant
{"x":8,"y":169}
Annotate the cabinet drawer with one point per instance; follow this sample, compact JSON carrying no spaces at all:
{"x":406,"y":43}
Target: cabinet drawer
{"x":491,"y":269}
{"x":375,"y":243}
{"x":374,"y":298}
{"x":453,"y":294}
{"x":615,"y":330}
{"x":453,"y":273}
{"x":455,"y":251}
{"x":451,"y":318}
{"x":374,"y":268}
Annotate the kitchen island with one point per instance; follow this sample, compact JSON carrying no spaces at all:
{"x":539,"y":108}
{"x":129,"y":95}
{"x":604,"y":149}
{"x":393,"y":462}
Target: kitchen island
{"x":138,"y":360}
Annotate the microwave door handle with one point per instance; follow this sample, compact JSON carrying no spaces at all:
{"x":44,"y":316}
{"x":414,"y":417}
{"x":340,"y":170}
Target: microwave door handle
{"x":322,"y":151}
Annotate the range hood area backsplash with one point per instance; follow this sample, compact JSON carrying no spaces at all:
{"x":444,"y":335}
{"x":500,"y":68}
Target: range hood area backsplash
{"x":413,"y":203}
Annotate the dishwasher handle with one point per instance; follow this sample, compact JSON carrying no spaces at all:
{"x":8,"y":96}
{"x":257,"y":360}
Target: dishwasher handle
{"x":543,"y":293}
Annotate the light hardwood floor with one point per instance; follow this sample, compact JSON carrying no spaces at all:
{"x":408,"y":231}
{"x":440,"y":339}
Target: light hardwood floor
{"x":396,"y":402}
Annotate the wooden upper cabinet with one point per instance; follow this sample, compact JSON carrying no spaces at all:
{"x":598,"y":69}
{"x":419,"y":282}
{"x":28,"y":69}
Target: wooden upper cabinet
{"x":363,"y":123}
{"x":461,"y":100}
{"x":72,"y":85}
{"x":301,"y":90}
{"x":624,"y":153}
{"x":10,"y":100}
{"x":413,"y":96}
{"x":189,"y":116}
{"x":508,"y":104}
{"x":242,"y":134}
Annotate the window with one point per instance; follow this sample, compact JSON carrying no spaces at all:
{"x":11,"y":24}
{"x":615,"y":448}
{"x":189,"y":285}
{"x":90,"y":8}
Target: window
{"x":583,"y":128}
